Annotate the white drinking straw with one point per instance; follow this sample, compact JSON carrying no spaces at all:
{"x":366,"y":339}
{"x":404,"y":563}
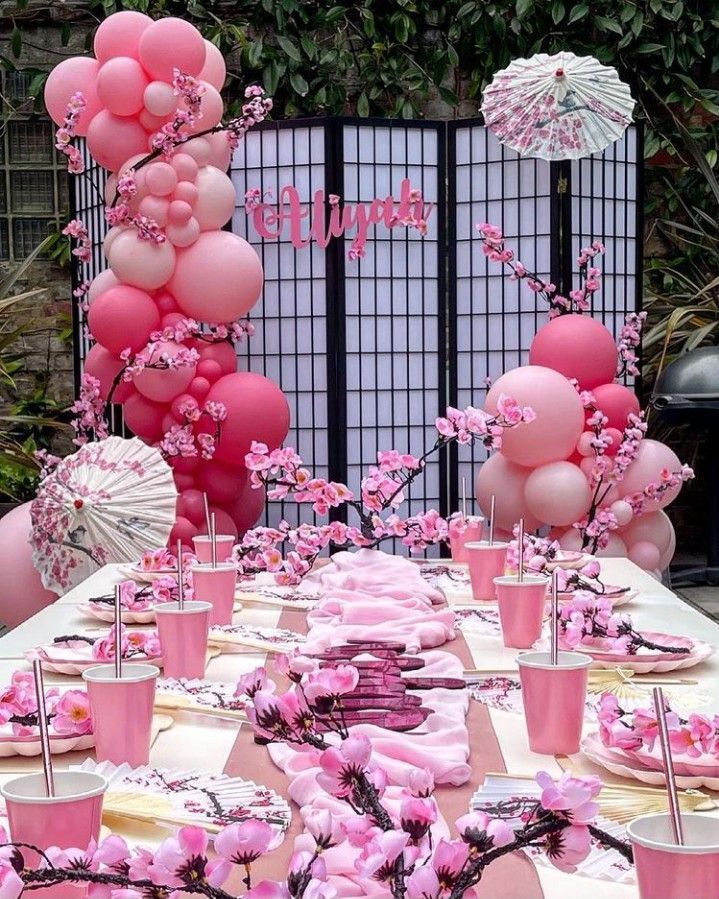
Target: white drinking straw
{"x":464,"y":498}
{"x":42,"y":724}
{"x":207,"y":511}
{"x":554,"y":621}
{"x":491,"y":520}
{"x":674,"y":811}
{"x":180,"y":582}
{"x":118,"y":633}
{"x":520,"y":551}
{"x":213,"y":539}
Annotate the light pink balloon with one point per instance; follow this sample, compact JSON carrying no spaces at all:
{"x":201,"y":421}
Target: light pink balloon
{"x":652,"y":457}
{"x":644,"y":554}
{"x":199,"y":149}
{"x":104,"y":281}
{"x":557,"y":493}
{"x":111,"y":237}
{"x":220,"y":150}
{"x":219,"y":278}
{"x":101,"y":364}
{"x":668,"y":553}
{"x":77,"y":74}
{"x":214,"y":70}
{"x":170,"y":44}
{"x":622,"y":511}
{"x":163,"y":385}
{"x":119,"y":34}
{"x":21,"y":591}
{"x":183,"y":235}
{"x":160,"y":99}
{"x":216,"y":198}
{"x":222,"y":483}
{"x":571,"y":541}
{"x":156,"y":208}
{"x":121,"y":84}
{"x":142,"y":263}
{"x":615,"y":547}
{"x":185,"y":166}
{"x":186,"y":191}
{"x":111,"y":139}
{"x":553,"y":435}
{"x":212,"y":109}
{"x":123,"y":317}
{"x":584,"y":444}
{"x":652,"y":527}
{"x":506,"y":481}
{"x":144,"y":417}
{"x":577,"y":346}
{"x":179,"y":212}
{"x":152,"y":123}
{"x":161,"y":178}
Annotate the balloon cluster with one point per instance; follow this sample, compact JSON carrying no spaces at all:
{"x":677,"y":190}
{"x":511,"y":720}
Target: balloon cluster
{"x":166,"y":311}
{"x":583,"y":466}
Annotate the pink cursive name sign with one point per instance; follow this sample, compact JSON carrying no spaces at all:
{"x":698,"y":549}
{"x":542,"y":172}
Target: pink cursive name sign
{"x":307,"y":223}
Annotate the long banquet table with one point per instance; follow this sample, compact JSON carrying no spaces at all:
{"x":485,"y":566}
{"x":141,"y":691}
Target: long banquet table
{"x":497,"y":738}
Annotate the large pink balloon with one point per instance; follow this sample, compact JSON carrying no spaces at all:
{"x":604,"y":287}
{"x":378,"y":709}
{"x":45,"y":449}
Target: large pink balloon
{"x":220,"y":150}
{"x":183,"y":530}
{"x":651,"y":459}
{"x":21,"y":591}
{"x":121,"y":84}
{"x":119,"y":34}
{"x":144,"y":418}
{"x":553,"y":435}
{"x":217,"y":279}
{"x":256,"y":410}
{"x":557,"y":493}
{"x":77,"y":74}
{"x":223,"y":522}
{"x":170,"y":44}
{"x":163,"y":385}
{"x":248,"y":507}
{"x":644,"y":554}
{"x":214,"y":70}
{"x":616,"y":401}
{"x":505,"y":481}
{"x":122,"y":317}
{"x":577,"y":346}
{"x":111,"y":139}
{"x":222,"y":483}
{"x":571,"y":540}
{"x":101,"y":364}
{"x":141,"y":263}
{"x":216,"y":198}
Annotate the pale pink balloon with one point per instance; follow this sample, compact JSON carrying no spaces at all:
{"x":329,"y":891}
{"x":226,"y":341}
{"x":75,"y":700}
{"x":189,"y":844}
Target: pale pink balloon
{"x":622,"y":511}
{"x":119,"y":34}
{"x":121,"y":84}
{"x":163,"y":385}
{"x":179,"y":212}
{"x":111,"y":139}
{"x":553,"y":435}
{"x":144,"y":417}
{"x":652,"y":527}
{"x":191,"y":505}
{"x":111,"y":237}
{"x":577,"y":346}
{"x":220,"y":150}
{"x":571,"y":541}
{"x":652,"y":457}
{"x":644,"y":554}
{"x":155,"y":208}
{"x":186,"y":191}
{"x":142,"y":263}
{"x":214,"y":70}
{"x":161,"y":178}
{"x":123,"y":317}
{"x":104,"y":281}
{"x":75,"y":75}
{"x":668,"y":553}
{"x":199,"y":149}
{"x":616,"y":401}
{"x":159,"y":99}
{"x":152,"y":123}
{"x":101,"y":364}
{"x":183,"y":235}
{"x":216,"y":198}
{"x":506,"y":481}
{"x":21,"y":590}
{"x":584,"y":444}
{"x":223,"y":353}
{"x":615,"y":547}
{"x":219,"y":278}
{"x":222,"y":483}
{"x":212,"y":109}
{"x":557,"y":493}
{"x":170,"y":44}
{"x":186,"y":168}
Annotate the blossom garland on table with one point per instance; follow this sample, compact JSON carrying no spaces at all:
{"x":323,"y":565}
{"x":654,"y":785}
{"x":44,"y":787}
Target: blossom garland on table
{"x":136,"y":598}
{"x":282,"y":473}
{"x":67,"y":713}
{"x":132,"y":644}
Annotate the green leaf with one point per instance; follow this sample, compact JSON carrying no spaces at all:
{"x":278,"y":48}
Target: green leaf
{"x":362,"y":105}
{"x":289,"y":48}
{"x":465,"y":9}
{"x":523,"y":7}
{"x":558,"y":11}
{"x":711,"y":157}
{"x":578,"y":12}
{"x":299,"y":84}
{"x":637,"y":23}
{"x":254,"y":53}
{"x":649,"y":48}
{"x":16,"y":42}
{"x":605,"y":24}
{"x":309,"y":46}
{"x":627,"y":13}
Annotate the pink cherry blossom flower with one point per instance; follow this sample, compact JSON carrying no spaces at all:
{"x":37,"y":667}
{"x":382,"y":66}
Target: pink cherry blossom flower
{"x":379,"y":855}
{"x":417,"y":815}
{"x":330,"y":683}
{"x":421,"y":782}
{"x":569,"y":847}
{"x":72,"y":713}
{"x":244,"y":843}
{"x":570,"y":795}
{"x":342,"y":765}
{"x":482,"y":833}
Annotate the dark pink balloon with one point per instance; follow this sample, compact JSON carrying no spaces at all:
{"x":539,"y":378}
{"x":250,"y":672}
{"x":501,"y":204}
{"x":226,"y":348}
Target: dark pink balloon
{"x":617,"y":402}
{"x":191,"y":505}
{"x":183,"y":481}
{"x":144,"y":418}
{"x":616,"y":436}
{"x":221,"y":352}
{"x":199,"y":388}
{"x":101,"y":364}
{"x":183,"y":530}
{"x":163,"y":385}
{"x":577,"y":346}
{"x":248,"y":507}
{"x":123,"y":317}
{"x":223,"y":521}
{"x":186,"y":464}
{"x":178,"y":402}
{"x":166,"y":303}
{"x":210,"y":369}
{"x":222,"y":483}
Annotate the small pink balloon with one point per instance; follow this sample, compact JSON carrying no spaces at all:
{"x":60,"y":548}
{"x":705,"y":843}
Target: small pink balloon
{"x":199,"y":149}
{"x":111,"y":139}
{"x":171,"y":319}
{"x":163,"y":385}
{"x":506,"y":481}
{"x":170,"y":44}
{"x":222,"y":483}
{"x":186,"y":192}
{"x":557,"y":493}
{"x":184,"y":399}
{"x":156,"y":208}
{"x":199,"y":388}
{"x":615,"y":547}
{"x":668,"y":553}
{"x":104,"y":281}
{"x":216,"y":198}
{"x":119,"y":35}
{"x":180,"y":212}
{"x":644,"y":554}
{"x":577,"y":346}
{"x":144,"y":418}
{"x":159,"y":99}
{"x":123,"y":317}
{"x":220,"y":150}
{"x":185,"y":235}
{"x":161,"y":178}
{"x":166,"y":303}
{"x":617,"y":402}
{"x":22,"y":593}
{"x":622,"y":511}
{"x":214,"y":70}
{"x":586,"y":465}
{"x":183,"y":530}
{"x":652,"y":527}
{"x":75,"y":75}
{"x":222,"y":352}
{"x":191,"y":505}
{"x":208,"y":368}
{"x":185,"y":166}
{"x":168,"y":423}
{"x":212,"y":109}
{"x":101,"y":364}
{"x":142,"y":263}
{"x":584,"y":444}
{"x":151,"y":123}
{"x":121,"y":84}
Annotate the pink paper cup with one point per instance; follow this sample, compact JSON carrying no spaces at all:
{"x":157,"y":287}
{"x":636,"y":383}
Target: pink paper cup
{"x":183,"y":636}
{"x":122,"y":710}
{"x":70,"y":818}
{"x":667,"y":871}
{"x":203,"y":547}
{"x":554,"y":699}
{"x":521,"y":609}
{"x":216,"y":585}
{"x":486,"y":562}
{"x":471,"y":534}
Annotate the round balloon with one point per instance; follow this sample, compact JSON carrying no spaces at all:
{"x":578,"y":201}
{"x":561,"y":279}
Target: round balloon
{"x":217,"y":279}
{"x":183,"y":530}
{"x":121,"y":84}
{"x":223,"y":522}
{"x":652,"y":458}
{"x":111,"y":139}
{"x":617,"y":402}
{"x":159,"y":99}
{"x":104,"y":281}
{"x":622,"y":511}
{"x":211,"y":108}
{"x":144,"y":418}
{"x":557,"y":493}
{"x":163,"y":385}
{"x":505,"y":481}
{"x":191,"y":505}
{"x":222,"y":483}
{"x":220,"y":150}
{"x":559,"y":421}
{"x":644,"y":554}
{"x":119,"y":35}
{"x":101,"y":364}
{"x":652,"y":527}
{"x":214,"y":70}
{"x":75,"y":75}
{"x":21,"y":591}
{"x":248,"y":507}
{"x":223,"y":353}
{"x":577,"y":346}
{"x":216,"y":198}
{"x":141,"y":263}
{"x":123,"y":317}
{"x":170,"y":44}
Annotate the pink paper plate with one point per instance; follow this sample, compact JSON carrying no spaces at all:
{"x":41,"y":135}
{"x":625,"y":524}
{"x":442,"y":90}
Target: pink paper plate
{"x":106,"y":612}
{"x":74,"y":657}
{"x":617,"y":596}
{"x":646,"y":661}
{"x":705,"y":765}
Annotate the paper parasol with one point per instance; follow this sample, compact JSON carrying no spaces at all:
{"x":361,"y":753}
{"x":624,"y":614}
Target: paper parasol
{"x":557,"y":107}
{"x":108,"y":502}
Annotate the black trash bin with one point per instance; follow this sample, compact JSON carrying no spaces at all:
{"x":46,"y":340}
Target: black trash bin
{"x":687,"y":392}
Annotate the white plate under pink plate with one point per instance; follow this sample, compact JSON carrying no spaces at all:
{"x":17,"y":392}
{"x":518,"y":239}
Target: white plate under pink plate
{"x":74,"y":657}
{"x":619,"y":763}
{"x":144,"y":576}
{"x":566,"y":559}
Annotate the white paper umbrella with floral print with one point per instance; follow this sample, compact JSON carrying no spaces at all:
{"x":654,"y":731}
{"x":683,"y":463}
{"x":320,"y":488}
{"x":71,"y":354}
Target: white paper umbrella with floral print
{"x":108,"y":502}
{"x":557,"y":107}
